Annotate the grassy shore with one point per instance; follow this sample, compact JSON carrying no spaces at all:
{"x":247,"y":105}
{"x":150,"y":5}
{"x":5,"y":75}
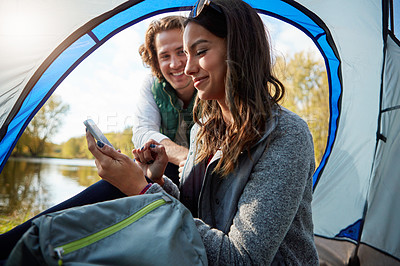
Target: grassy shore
{"x":6,"y":224}
{"x":9,"y":222}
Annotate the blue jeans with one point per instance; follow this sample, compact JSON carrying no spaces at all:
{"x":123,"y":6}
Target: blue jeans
{"x":100,"y":191}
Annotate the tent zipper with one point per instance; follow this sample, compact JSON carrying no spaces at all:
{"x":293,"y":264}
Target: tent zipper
{"x":86,"y":241}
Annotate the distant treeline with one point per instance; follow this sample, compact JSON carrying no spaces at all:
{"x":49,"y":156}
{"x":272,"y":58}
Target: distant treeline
{"x":76,"y":147}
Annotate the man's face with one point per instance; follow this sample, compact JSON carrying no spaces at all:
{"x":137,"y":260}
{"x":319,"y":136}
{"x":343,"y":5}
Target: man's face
{"x":172,"y":59}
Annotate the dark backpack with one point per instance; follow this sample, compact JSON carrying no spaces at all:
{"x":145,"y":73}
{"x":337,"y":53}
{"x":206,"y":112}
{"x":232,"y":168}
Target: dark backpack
{"x":150,"y":229}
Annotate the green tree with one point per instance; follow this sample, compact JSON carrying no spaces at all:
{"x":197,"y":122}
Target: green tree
{"x":43,"y":126}
{"x":122,"y":140}
{"x":76,"y":148}
{"x":307,"y":94}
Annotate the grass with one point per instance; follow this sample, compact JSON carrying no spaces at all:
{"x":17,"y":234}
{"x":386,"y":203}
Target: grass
{"x":8,"y":222}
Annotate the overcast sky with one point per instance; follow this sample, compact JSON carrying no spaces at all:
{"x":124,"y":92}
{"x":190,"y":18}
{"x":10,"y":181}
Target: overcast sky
{"x":104,"y":85}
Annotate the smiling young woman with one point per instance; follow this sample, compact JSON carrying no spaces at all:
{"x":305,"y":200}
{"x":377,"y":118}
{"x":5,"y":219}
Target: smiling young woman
{"x":248,"y":176}
{"x":235,"y":72}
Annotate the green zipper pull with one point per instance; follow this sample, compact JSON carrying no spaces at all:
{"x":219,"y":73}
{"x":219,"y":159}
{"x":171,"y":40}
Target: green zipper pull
{"x":166,"y":198}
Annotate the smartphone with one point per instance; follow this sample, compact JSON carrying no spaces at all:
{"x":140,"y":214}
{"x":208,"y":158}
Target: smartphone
{"x":95,"y":131}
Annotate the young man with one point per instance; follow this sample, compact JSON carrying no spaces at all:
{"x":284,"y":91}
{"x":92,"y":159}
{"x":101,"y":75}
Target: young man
{"x":163,"y":110}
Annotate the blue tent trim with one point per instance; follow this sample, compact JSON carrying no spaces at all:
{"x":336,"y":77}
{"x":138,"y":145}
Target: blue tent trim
{"x":352,"y":231}
{"x":136,"y":11}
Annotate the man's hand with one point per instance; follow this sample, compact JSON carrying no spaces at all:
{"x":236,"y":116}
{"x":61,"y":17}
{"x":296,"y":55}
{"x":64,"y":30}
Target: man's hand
{"x":175,"y":152}
{"x":181,"y":166}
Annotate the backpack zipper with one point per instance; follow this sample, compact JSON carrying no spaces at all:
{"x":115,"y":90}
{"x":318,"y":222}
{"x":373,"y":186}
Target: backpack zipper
{"x":86,"y":241}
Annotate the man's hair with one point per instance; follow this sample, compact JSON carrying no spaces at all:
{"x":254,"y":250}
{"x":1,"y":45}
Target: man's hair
{"x":148,"y":50}
{"x":252,"y":91}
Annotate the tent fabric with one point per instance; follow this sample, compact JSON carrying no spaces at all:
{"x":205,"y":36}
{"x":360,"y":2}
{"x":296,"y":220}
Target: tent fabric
{"x":355,"y":143}
{"x":386,"y":172}
{"x":334,"y":252}
{"x":355,"y":201}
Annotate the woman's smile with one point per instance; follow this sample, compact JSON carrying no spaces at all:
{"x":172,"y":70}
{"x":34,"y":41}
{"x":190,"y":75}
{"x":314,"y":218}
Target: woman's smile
{"x":198,"y":81}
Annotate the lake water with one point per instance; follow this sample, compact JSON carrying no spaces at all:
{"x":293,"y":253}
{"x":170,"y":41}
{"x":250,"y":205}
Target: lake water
{"x":31,"y":185}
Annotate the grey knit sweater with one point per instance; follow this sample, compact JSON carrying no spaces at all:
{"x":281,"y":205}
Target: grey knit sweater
{"x":271,"y":214}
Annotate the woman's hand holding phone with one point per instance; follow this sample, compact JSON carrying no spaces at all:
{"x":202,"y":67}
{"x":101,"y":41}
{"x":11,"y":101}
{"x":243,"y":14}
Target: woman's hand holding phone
{"x":116,"y":168}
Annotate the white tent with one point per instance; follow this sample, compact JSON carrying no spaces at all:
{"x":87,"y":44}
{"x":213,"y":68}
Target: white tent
{"x":356,"y":208}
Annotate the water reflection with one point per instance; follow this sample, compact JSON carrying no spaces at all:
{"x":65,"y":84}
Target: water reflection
{"x":29,"y":186}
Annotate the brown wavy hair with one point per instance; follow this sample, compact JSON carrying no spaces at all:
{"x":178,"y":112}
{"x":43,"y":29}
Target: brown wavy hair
{"x":148,"y":51}
{"x":251,"y":89}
